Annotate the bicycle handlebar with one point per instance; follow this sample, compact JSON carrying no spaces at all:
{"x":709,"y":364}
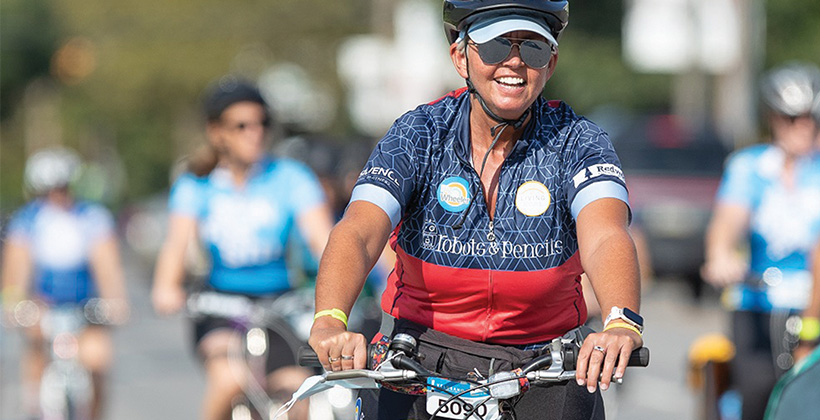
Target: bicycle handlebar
{"x":639,"y":358}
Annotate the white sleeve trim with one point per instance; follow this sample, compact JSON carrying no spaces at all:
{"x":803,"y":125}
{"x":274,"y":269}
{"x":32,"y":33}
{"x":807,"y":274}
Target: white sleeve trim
{"x":380,"y":197}
{"x":594,"y":191}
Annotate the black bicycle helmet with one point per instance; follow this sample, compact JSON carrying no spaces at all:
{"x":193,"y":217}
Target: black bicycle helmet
{"x":791,"y":89}
{"x":227,"y":91}
{"x":460,"y":14}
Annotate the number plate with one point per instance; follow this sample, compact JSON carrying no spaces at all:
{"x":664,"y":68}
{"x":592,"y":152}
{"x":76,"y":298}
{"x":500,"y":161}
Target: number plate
{"x":473,"y":405}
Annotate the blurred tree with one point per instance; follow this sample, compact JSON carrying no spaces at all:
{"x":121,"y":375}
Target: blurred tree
{"x":792,"y":31}
{"x":136,"y":68}
{"x":29,"y":37}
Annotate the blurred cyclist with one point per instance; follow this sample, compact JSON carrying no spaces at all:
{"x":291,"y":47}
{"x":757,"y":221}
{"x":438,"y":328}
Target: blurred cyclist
{"x":810,"y":322}
{"x":769,"y":200}
{"x":241,"y":203}
{"x":61,"y":250}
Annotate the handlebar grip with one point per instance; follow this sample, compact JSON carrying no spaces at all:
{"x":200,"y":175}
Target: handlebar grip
{"x":307,"y":357}
{"x":639,"y":357}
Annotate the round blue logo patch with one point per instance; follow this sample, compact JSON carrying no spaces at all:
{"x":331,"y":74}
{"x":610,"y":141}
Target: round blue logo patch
{"x":357,"y":413}
{"x":454,"y":194}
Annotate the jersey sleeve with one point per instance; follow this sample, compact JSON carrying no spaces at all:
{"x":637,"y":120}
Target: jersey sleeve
{"x":186,"y":197}
{"x":21,"y":223}
{"x":305,"y":190}
{"x":99,"y":222}
{"x":593,"y":169}
{"x":737,"y":182}
{"x":388,"y":179}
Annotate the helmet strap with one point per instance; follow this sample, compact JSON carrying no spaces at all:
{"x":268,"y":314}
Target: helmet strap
{"x":516,"y":124}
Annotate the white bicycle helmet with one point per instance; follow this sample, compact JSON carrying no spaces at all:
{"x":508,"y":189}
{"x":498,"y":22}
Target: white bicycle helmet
{"x":791,"y":89}
{"x":51,"y":168}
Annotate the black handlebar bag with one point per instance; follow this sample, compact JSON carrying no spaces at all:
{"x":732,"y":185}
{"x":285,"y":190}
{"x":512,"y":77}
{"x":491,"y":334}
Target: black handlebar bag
{"x":455,"y":357}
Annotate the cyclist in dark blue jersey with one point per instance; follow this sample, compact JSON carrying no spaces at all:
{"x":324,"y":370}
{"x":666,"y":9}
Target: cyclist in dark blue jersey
{"x":495,"y":201}
{"x":242,"y":204}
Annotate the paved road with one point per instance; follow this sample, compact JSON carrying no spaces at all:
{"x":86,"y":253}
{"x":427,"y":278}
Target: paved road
{"x":156,"y":376}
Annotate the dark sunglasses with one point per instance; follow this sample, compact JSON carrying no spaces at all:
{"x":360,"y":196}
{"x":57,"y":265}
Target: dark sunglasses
{"x":242,"y":126}
{"x":534,"y":53}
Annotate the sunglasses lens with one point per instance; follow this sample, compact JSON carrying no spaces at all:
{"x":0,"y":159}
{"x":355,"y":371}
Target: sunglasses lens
{"x":495,"y":50}
{"x":535,"y":54}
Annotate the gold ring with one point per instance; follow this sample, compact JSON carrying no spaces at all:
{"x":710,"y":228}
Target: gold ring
{"x":347,"y":357}
{"x":333,"y":359}
{"x":600,"y":349}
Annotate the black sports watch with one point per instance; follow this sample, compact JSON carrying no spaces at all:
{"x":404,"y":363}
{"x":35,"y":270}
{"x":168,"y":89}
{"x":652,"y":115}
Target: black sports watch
{"x":627,"y":315}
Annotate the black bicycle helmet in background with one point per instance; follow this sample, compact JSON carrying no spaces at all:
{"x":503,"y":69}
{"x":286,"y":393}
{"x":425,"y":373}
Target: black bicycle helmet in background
{"x":227,"y":91}
{"x":791,"y":89}
{"x":460,"y":14}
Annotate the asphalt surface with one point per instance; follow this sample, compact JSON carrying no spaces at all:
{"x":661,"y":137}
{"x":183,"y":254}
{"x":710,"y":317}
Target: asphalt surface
{"x":157,"y":377}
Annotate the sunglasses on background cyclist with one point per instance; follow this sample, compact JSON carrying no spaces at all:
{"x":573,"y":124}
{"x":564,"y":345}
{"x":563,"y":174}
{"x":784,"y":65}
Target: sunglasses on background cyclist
{"x":534,"y":53}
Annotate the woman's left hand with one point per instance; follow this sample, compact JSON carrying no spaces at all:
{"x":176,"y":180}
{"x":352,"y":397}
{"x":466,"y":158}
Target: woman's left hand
{"x":600,"y":353}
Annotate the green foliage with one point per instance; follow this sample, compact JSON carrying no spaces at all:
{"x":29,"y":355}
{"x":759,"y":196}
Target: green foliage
{"x":29,"y":35}
{"x":153,"y":58}
{"x":792,"y":31}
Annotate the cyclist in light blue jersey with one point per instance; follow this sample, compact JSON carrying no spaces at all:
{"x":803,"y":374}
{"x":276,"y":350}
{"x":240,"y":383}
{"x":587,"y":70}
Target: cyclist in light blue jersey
{"x":60,"y":250}
{"x":242,"y":204}
{"x":769,"y":199}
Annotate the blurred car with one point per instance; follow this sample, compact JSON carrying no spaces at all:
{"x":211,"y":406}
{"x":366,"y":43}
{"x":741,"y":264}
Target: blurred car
{"x":672,"y":174}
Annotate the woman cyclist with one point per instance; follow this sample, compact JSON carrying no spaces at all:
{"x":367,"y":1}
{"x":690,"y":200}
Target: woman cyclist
{"x":242,"y":204}
{"x":495,"y":201}
{"x":61,"y":250}
{"x":768,"y":200}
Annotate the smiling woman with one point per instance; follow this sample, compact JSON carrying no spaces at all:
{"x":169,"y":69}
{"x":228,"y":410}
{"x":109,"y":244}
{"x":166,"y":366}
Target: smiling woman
{"x":495,"y":201}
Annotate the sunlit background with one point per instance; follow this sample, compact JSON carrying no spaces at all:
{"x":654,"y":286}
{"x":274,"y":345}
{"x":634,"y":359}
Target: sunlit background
{"x":672,"y":81}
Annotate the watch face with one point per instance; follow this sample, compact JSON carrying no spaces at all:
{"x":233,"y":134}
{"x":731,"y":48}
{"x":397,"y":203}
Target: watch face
{"x":634,"y":317}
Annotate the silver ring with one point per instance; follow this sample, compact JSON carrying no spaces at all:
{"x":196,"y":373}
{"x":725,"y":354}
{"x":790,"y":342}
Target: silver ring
{"x":600,"y":349}
{"x":333,"y":359}
{"x":347,"y":357}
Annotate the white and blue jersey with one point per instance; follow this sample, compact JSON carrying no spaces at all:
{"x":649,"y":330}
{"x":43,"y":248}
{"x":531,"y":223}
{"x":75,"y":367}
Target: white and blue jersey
{"x":245,"y":229}
{"x":60,"y":241}
{"x":784,"y":226}
{"x":512,"y":277}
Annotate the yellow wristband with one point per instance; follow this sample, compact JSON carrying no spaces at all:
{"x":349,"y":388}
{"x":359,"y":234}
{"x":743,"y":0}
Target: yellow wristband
{"x":810,"y":330}
{"x":622,"y":325}
{"x":335,"y":313}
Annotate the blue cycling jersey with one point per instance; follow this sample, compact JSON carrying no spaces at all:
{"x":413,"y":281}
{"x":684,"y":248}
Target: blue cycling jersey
{"x":784,"y":226}
{"x":245,"y":228}
{"x":512,"y":277}
{"x":60,"y":241}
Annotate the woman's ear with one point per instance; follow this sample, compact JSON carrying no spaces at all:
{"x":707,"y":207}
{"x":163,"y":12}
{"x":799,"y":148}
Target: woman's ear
{"x":459,"y":57}
{"x":213,"y":131}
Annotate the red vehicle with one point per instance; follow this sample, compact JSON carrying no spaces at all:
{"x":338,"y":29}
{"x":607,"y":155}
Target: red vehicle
{"x":672,"y":175}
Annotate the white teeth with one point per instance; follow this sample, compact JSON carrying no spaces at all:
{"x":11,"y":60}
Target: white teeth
{"x":511,"y":80}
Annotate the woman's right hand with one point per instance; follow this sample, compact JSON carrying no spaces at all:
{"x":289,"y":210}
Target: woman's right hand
{"x":337,"y":348}
{"x":168,"y":299}
{"x":724,"y":271}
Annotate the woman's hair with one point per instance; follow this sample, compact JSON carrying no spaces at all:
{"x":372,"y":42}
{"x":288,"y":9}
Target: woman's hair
{"x":203,"y":161}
